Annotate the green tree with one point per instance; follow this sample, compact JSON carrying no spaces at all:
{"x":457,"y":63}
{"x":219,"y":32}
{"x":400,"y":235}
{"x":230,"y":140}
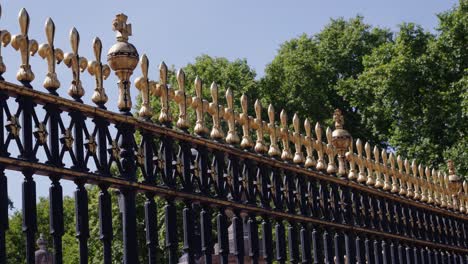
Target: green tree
{"x":303,"y":76}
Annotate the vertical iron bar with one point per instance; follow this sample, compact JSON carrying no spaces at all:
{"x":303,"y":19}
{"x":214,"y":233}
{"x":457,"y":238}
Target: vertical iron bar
{"x":327,"y":247}
{"x":305,"y":244}
{"x":292,"y":242}
{"x":238,"y":237}
{"x":280,"y":242}
{"x":205,"y":223}
{"x":267,"y":239}
{"x":82,"y":220}
{"x":56,"y":217}
{"x":171,"y":231}
{"x":223,"y":239}
{"x":253,"y":238}
{"x":317,"y":248}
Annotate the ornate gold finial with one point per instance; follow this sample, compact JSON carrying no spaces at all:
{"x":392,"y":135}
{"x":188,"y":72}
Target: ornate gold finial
{"x":274,"y":150}
{"x":245,"y":120}
{"x":414,"y":180}
{"x":428,"y":185}
{"x":309,"y":144}
{"x":395,"y":172}
{"x":442,"y":187}
{"x":230,"y":116}
{"x":284,"y":131}
{"x":465,"y":197}
{"x":351,"y":157}
{"x":217,"y":112}
{"x":378,"y":169}
{"x":142,"y":84}
{"x":435,"y":187}
{"x":76,"y":64}
{"x":183,"y":101}
{"x":454,"y":183}
{"x":420,"y":183}
{"x":101,"y":72}
{"x":297,"y":139}
{"x":201,"y":106}
{"x":122,"y":29}
{"x":409,"y":185}
{"x":123,"y":59}
{"x":330,"y":151}
{"x":165,"y":93}
{"x":319,"y":145}
{"x":369,"y":165}
{"x":387,"y":186}
{"x":48,"y":52}
{"x":402,"y":177}
{"x":5,"y":38}
{"x":259,"y":125}
{"x":361,"y":162}
{"x":26,"y":47}
{"x":341,"y":139}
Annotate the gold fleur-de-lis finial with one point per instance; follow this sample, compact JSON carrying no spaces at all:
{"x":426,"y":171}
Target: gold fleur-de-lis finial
{"x":53,"y":55}
{"x":142,"y":84}
{"x":351,"y":157}
{"x":101,"y":72}
{"x":414,"y":180}
{"x":320,"y":161}
{"x":393,"y":188}
{"x":286,"y":154}
{"x":5,"y":38}
{"x":309,"y":144}
{"x":274,"y":150}
{"x":200,"y":105}
{"x":361,"y":162}
{"x":387,"y":186}
{"x":217,"y":112}
{"x":421,"y":181}
{"x":370,"y":174}
{"x":230,"y":117}
{"x":165,"y":93}
{"x":258,"y":126}
{"x":435,"y":187}
{"x":330,"y":151}
{"x":77,"y":64}
{"x":122,"y":29}
{"x":297,"y":138}
{"x":245,"y":120}
{"x":378,"y":169}
{"x":428,"y":185}
{"x":409,"y":185}
{"x":26,"y":47}
{"x":183,"y":101}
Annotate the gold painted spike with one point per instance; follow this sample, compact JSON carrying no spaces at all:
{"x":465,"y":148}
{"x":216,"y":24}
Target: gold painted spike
{"x":409,"y":184}
{"x":421,"y":181}
{"x":351,"y":157}
{"x":5,"y":38}
{"x":165,"y":94}
{"x":387,"y":186}
{"x":217,"y":112}
{"x":230,"y":116}
{"x":52,"y":55}
{"x":142,"y":84}
{"x":200,"y":105}
{"x":101,"y":72}
{"x":274,"y":150}
{"x":428,"y":185}
{"x":379,"y":183}
{"x":402,"y":177}
{"x":245,"y":121}
{"x":183,"y":101}
{"x":394,"y":172}
{"x":77,"y":64}
{"x":286,"y":154}
{"x":26,"y":47}
{"x":297,"y":139}
{"x":319,"y":146}
{"x":443,"y":197}
{"x":369,"y":165}
{"x":260,"y":146}
{"x":435,"y":187}
{"x":309,"y":144}
{"x":330,"y":151}
{"x":414,"y":167}
{"x":362,"y":178}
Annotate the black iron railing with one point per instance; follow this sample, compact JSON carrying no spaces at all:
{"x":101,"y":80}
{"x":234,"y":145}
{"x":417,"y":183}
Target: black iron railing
{"x":267,"y":203}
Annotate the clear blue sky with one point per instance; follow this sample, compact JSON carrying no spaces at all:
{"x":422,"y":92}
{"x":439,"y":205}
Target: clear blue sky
{"x":178,"y":31}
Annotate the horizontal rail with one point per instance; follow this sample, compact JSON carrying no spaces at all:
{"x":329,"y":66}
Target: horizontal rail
{"x":47,"y":170}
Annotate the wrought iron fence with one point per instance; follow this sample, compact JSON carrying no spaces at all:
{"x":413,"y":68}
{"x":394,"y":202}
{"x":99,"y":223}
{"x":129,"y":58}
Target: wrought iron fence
{"x":275,"y":188}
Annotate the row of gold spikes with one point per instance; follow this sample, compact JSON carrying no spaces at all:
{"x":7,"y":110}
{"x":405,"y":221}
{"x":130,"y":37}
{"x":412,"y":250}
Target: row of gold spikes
{"x":412,"y":181}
